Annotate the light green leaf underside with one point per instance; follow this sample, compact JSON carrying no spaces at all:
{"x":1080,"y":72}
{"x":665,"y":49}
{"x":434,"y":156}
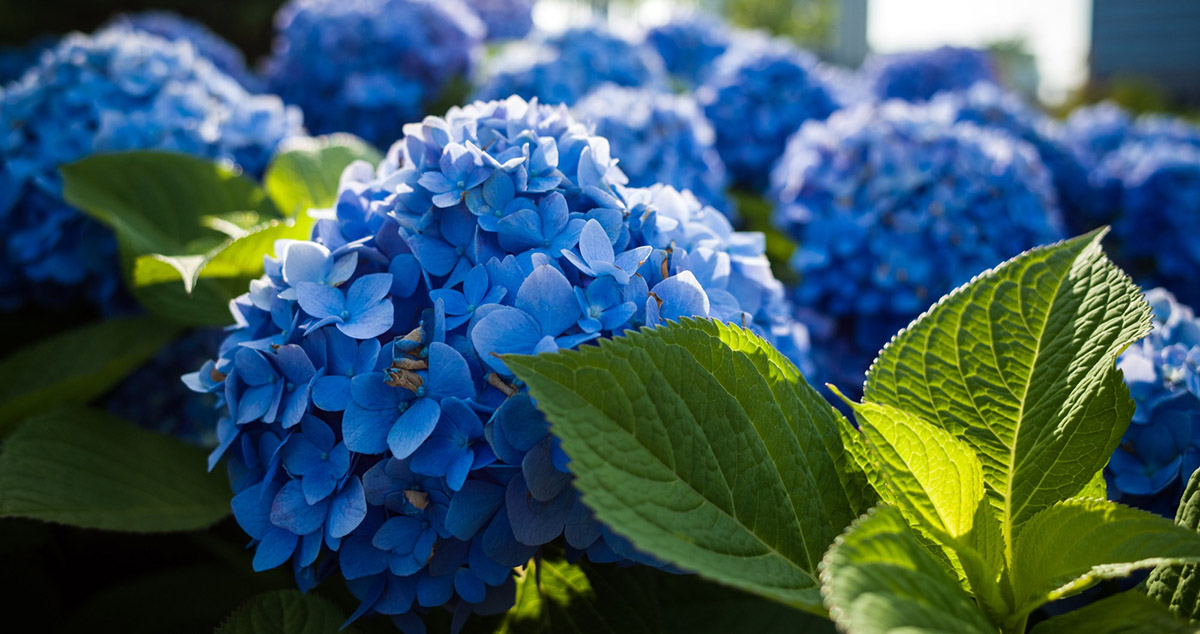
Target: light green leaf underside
{"x":1178,"y":586}
{"x":1020,"y":364}
{"x":74,"y":367}
{"x":877,"y":579}
{"x":88,"y":468}
{"x":284,"y":612}
{"x":305,"y":172}
{"x":1075,"y":543}
{"x":1130,"y":612}
{"x":705,"y":447}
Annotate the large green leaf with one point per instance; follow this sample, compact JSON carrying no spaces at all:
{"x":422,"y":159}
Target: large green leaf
{"x":87,"y":468}
{"x":74,"y":367}
{"x":1078,"y":542}
{"x":1019,"y":363}
{"x":556,"y":597}
{"x":1178,"y":586}
{"x":706,"y":448}
{"x":304,"y":173}
{"x":877,"y":578}
{"x":1130,"y":612}
{"x":284,"y":612}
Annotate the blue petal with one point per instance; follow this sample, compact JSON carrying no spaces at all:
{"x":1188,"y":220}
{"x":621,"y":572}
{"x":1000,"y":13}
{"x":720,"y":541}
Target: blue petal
{"x":305,"y":262}
{"x":253,"y":368}
{"x":413,"y":427}
{"x":366,"y":430}
{"x":320,"y":300}
{"x":274,"y":549}
{"x":291,"y":511}
{"x":348,"y":509}
{"x":370,"y":323}
{"x":594,"y":245}
{"x":502,"y":331}
{"x":534,"y":522}
{"x":367,"y":290}
{"x":471,"y":508}
{"x":331,"y":393}
{"x":549,"y":298}
{"x":449,"y":374}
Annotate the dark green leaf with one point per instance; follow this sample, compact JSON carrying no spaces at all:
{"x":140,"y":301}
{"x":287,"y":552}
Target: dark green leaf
{"x":305,"y":171}
{"x":706,"y":448}
{"x":1130,"y":612}
{"x":88,"y":468}
{"x":76,"y":366}
{"x":284,"y":612}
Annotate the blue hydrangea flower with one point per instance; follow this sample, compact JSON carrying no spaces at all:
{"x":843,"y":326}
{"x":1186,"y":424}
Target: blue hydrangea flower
{"x":368,"y":66}
{"x":894,"y":206}
{"x":116,"y":90}
{"x":1161,"y":448}
{"x":380,"y":437}
{"x":172,"y":26}
{"x":15,"y":60}
{"x":151,"y":398}
{"x":505,"y":19}
{"x":919,"y":75}
{"x":659,"y":138}
{"x":759,"y":93}
{"x":562,"y":68}
{"x":689,"y":44}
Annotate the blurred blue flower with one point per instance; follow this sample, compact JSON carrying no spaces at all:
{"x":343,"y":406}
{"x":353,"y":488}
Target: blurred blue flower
{"x":659,"y":138}
{"x":538,"y":246}
{"x":562,"y":68}
{"x":689,"y":44}
{"x":504,"y":19}
{"x":370,"y":66}
{"x":172,"y":26}
{"x":893,"y":206}
{"x":919,"y":75}
{"x":116,"y":90}
{"x":759,"y":93}
{"x":16,"y":59}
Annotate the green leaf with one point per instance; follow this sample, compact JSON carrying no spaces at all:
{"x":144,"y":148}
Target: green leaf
{"x":706,"y":448}
{"x":878,"y":578}
{"x":1130,"y":612}
{"x":304,"y":173}
{"x":88,"y":468}
{"x":74,"y":367}
{"x":284,"y":612}
{"x":1019,"y":363}
{"x":554,"y":596}
{"x":1176,"y":586}
{"x":156,"y":202}
{"x":1075,"y":543}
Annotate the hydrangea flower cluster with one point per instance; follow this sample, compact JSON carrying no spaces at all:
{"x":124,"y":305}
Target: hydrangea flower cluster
{"x":689,"y":44}
{"x":987,"y":104}
{"x":371,"y":427}
{"x":1094,"y":132}
{"x":116,"y":90}
{"x":562,"y":68}
{"x":15,"y":60}
{"x":759,"y":93}
{"x":368,"y":66}
{"x":153,"y":398}
{"x":1161,"y":448}
{"x":893,"y":207}
{"x":919,"y":75}
{"x":659,"y":137}
{"x":172,"y":26}
{"x":505,"y":19}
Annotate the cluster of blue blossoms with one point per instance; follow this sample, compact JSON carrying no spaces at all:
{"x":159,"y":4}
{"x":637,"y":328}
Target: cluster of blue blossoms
{"x":172,"y":26}
{"x":658,"y":137}
{"x":1161,"y":448}
{"x":689,"y":44}
{"x":116,"y":90}
{"x":372,"y":429}
{"x":368,"y":66}
{"x":919,"y":75}
{"x":894,"y":207}
{"x":153,"y":398}
{"x":760,"y":92}
{"x":562,"y":68}
{"x":505,"y":19}
{"x":15,"y":60}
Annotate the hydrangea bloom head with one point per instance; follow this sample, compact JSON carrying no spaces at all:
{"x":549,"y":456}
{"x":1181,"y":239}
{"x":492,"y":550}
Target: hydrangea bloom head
{"x":1161,"y":448}
{"x":368,"y":66}
{"x":759,"y":93}
{"x":919,"y":75}
{"x":894,"y":206}
{"x":15,"y":60}
{"x":116,"y":90}
{"x":370,"y":425}
{"x":562,"y":68}
{"x":658,"y":137}
{"x":1155,"y":189}
{"x":689,"y":44}
{"x":505,"y":19}
{"x":1094,"y":132}
{"x":172,"y":26}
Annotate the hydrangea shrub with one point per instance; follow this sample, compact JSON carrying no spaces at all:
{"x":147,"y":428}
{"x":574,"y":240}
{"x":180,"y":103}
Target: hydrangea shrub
{"x":759,"y":93}
{"x":504,"y":19}
{"x":1161,"y":448}
{"x":658,"y":137}
{"x":562,"y":68}
{"x":919,"y":75}
{"x":368,"y":66}
{"x":371,"y":427}
{"x":689,"y":44}
{"x":172,"y":26}
{"x":116,"y":90}
{"x":893,"y":206}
